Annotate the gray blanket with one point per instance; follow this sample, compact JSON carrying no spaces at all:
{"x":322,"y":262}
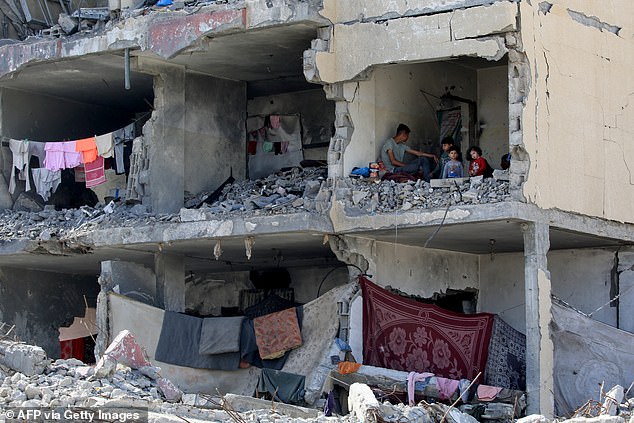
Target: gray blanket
{"x":179,"y":344}
{"x":220,"y":335}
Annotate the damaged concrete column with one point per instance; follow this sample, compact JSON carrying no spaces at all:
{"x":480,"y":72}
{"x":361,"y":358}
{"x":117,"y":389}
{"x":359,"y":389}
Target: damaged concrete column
{"x":170,"y":281}
{"x":165,"y":132}
{"x":539,"y":345}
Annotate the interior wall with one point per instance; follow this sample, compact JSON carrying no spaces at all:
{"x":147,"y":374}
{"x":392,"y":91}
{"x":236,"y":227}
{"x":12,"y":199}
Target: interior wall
{"x":215,"y":119}
{"x":306,"y":280}
{"x":205,"y":294}
{"x":582,"y":278}
{"x":317,"y":116}
{"x":37,"y":117}
{"x":393,"y":95}
{"x":493,"y":111}
{"x":39,"y":303}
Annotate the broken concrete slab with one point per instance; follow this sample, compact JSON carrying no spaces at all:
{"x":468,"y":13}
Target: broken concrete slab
{"x":242,"y":403}
{"x":26,"y":359}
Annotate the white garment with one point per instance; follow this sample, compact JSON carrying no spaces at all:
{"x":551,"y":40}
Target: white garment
{"x":46,"y":181}
{"x":105,"y":145}
{"x":20,"y":150}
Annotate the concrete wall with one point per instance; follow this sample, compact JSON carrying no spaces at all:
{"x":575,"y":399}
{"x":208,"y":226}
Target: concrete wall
{"x":305,"y":281}
{"x":39,"y":303}
{"x":215,"y":128}
{"x":44,"y":118}
{"x":493,"y":111}
{"x":392,"y":96}
{"x":582,"y":278}
{"x":317,"y":113}
{"x":145,"y":323}
{"x":578,"y":118}
{"x":416,"y":270}
{"x":207,"y":293}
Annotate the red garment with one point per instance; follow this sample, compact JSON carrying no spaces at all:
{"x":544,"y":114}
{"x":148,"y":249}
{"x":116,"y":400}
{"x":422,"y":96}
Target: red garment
{"x":477,"y":166}
{"x":95,"y":173}
{"x":73,"y":348}
{"x":402,"y":334}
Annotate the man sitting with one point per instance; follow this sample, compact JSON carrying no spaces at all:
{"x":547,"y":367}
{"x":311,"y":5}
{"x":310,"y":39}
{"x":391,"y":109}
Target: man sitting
{"x":393,"y":155}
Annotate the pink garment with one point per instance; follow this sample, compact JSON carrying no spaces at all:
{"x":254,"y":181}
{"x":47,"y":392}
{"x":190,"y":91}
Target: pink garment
{"x":275,"y":121}
{"x":284,"y":147}
{"x":446,"y":387}
{"x":95,"y":173}
{"x":488,"y":393}
{"x":54,"y":159}
{"x":412,"y":378}
{"x":72,"y":158}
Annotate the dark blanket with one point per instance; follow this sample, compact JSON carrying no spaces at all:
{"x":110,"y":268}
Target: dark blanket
{"x":249,"y":348}
{"x":506,"y":365}
{"x":179,"y":344}
{"x":285,"y":387}
{"x":402,"y":334}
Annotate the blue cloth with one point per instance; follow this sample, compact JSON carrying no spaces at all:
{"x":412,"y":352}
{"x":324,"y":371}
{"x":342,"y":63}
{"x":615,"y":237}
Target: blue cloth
{"x":343,"y":345}
{"x":414,"y":166}
{"x":329,"y":406}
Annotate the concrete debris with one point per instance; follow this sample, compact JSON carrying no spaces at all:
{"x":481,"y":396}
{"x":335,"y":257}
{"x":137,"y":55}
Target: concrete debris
{"x":371,"y":196}
{"x":280,"y":193}
{"x":28,"y":359}
{"x":47,"y":223}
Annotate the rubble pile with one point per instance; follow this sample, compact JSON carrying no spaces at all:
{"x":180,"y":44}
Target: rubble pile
{"x":386,"y":196}
{"x":280,"y":193}
{"x":49,"y":223}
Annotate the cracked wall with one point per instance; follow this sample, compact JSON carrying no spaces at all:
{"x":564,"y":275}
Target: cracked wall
{"x":578,"y":116}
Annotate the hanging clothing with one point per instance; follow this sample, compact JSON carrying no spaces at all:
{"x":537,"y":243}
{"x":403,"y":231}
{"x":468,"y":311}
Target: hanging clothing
{"x":61,"y":155}
{"x":277,"y":333}
{"x":275,"y":121}
{"x":220,"y":335}
{"x":282,"y":386}
{"x":37,"y":149}
{"x":46,"y":181}
{"x":88,"y":149}
{"x":20,"y":151}
{"x":95,"y":173}
{"x":412,"y":378}
{"x":105,"y":145}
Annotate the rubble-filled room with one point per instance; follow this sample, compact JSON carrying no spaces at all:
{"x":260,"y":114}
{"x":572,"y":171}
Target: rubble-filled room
{"x":458,"y":103}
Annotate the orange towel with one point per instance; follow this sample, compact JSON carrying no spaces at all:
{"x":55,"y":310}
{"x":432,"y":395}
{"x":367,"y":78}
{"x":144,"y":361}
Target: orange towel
{"x":346,"y":367}
{"x":88,"y":149}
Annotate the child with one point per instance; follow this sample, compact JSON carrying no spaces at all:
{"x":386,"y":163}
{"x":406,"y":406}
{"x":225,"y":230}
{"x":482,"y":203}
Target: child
{"x":453,"y":167}
{"x":446,"y":144}
{"x":479,"y":165}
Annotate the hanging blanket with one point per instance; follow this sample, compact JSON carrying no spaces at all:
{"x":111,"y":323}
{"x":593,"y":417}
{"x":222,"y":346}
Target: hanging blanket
{"x":506,"y":365}
{"x":277,"y":333}
{"x":402,"y":334}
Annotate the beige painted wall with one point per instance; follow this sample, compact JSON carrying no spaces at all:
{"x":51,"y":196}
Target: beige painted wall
{"x":578,"y":121}
{"x":393,"y":96}
{"x":493,"y":111}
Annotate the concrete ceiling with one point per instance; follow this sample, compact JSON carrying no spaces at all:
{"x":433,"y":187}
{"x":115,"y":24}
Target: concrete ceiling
{"x":483,"y":238}
{"x":305,"y":249}
{"x":97,"y":79}
{"x":270,"y":60}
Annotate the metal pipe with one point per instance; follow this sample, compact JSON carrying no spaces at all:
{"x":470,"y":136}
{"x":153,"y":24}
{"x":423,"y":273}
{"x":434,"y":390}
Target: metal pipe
{"x":126,"y":67}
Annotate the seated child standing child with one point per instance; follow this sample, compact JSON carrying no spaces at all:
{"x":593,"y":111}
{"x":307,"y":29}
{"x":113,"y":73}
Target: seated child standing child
{"x":453,"y":168}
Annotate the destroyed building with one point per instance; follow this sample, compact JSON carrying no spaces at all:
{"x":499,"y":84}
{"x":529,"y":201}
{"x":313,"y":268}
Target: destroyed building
{"x":206,"y":224}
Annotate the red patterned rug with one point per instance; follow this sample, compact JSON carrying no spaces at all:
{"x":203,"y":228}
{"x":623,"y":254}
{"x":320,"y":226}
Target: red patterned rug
{"x":402,"y":334}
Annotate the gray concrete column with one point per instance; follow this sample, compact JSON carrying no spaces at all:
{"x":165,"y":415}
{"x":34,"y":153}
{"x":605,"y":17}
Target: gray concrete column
{"x":170,"y":281}
{"x":539,"y":345}
{"x":165,"y":132}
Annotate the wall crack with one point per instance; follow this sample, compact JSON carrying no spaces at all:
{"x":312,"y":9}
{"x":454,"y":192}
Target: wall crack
{"x":594,"y":22}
